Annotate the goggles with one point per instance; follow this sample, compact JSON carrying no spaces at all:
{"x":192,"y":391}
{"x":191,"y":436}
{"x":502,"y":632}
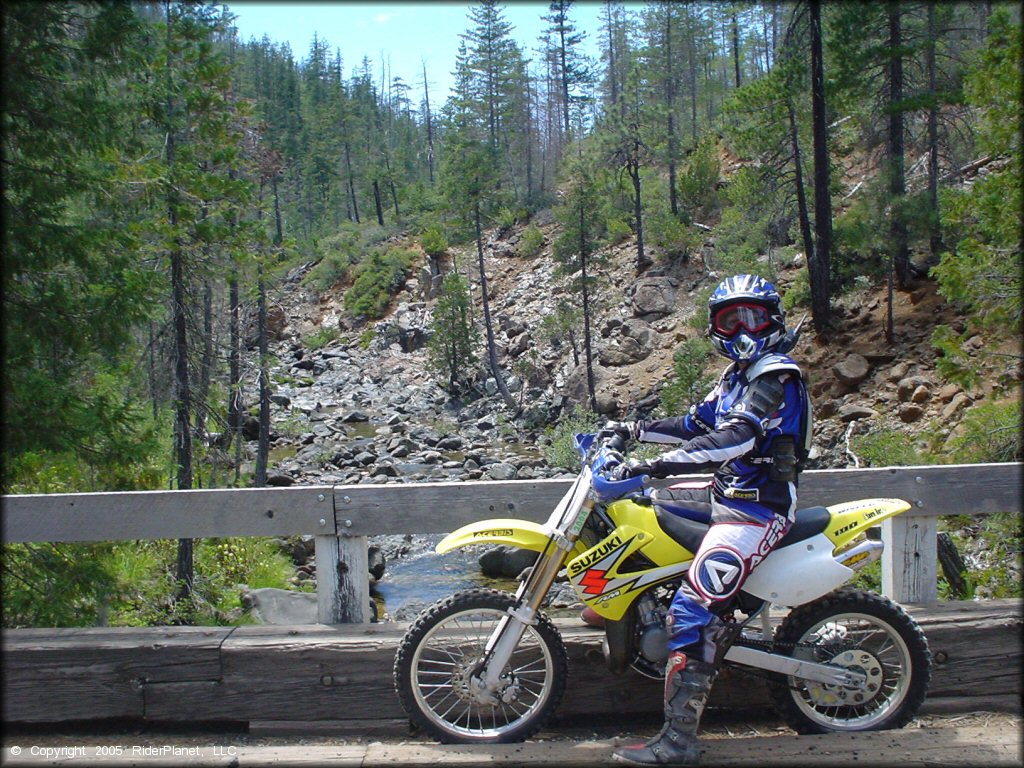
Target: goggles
{"x":754,"y":318}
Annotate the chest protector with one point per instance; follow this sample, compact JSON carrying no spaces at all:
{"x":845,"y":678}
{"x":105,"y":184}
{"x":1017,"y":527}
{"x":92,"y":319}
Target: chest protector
{"x":786,"y":453}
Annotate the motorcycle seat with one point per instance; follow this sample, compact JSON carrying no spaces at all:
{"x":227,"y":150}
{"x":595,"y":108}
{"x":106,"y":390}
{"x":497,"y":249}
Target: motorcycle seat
{"x":810,"y":521}
{"x":690,"y":533}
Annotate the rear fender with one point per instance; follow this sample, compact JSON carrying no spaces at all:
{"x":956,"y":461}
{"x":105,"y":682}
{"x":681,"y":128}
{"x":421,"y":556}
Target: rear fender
{"x":853,"y":518}
{"x":521,"y":534}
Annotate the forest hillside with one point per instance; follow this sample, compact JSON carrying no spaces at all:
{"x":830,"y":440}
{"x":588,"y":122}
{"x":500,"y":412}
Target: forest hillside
{"x":227,"y":263}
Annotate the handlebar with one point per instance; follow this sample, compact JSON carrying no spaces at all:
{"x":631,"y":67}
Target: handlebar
{"x":603,"y":451}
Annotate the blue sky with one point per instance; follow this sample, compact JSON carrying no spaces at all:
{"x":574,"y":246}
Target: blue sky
{"x":403,"y":34}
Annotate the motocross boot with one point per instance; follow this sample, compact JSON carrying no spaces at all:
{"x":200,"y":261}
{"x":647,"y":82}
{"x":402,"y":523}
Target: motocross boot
{"x":687,"y":683}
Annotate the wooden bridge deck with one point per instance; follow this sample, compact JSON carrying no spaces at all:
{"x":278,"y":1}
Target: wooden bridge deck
{"x":908,"y":748}
{"x":337,"y":679}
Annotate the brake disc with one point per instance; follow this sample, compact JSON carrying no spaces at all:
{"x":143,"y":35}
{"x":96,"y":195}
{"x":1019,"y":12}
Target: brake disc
{"x":856,"y":660}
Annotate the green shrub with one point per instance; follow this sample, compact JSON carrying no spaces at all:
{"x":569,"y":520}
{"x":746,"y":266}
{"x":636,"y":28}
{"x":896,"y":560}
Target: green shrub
{"x":670,"y":235}
{"x":699,"y":320}
{"x":451,"y":350}
{"x":798,"y":294}
{"x":698,"y":183}
{"x":989,"y":432}
{"x":321,"y":338}
{"x":859,"y":252}
{"x":507,"y":217}
{"x":133,"y":583}
{"x":532,"y":241}
{"x":690,"y":383}
{"x":380,"y":277}
{"x":338,"y":254}
{"x":885,"y":447}
{"x":366,"y":338}
{"x":617,"y":224}
{"x":561,"y":452}
{"x":434,"y":243}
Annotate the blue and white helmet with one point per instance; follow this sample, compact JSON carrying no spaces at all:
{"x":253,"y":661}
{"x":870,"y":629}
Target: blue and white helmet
{"x":745,"y":317}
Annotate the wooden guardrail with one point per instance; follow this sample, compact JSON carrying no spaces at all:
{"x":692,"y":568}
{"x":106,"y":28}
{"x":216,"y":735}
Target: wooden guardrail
{"x":342,"y":517}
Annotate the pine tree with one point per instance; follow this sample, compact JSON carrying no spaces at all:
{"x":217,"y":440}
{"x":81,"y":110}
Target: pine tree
{"x":75,"y":283}
{"x":453,"y":337}
{"x":572,"y":71}
{"x":575,"y":248}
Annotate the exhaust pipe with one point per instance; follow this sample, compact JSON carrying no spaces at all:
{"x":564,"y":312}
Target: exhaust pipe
{"x":863,"y":554}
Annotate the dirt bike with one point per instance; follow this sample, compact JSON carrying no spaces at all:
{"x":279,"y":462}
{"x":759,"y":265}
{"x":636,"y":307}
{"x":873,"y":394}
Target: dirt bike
{"x":485,"y":666}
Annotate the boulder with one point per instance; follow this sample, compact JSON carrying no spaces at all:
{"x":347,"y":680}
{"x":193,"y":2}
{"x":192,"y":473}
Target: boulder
{"x":654,"y":296}
{"x":632,"y":344}
{"x":500,"y":471}
{"x":377,"y":562}
{"x":281,"y":606}
{"x":853,"y":370}
{"x":907,"y":386}
{"x":852,"y":412}
{"x":910,"y":412}
{"x":948,"y":392}
{"x":506,"y":562}
{"x":922,"y":394}
{"x":957,"y":404}
{"x":625,"y":352}
{"x":277,"y":322}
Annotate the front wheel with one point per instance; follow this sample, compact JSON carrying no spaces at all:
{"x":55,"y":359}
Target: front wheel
{"x":439,"y":659}
{"x":866,"y":633}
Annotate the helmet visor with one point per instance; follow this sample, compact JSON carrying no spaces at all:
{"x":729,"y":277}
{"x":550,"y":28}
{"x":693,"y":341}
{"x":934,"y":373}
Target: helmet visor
{"x":754,"y":318}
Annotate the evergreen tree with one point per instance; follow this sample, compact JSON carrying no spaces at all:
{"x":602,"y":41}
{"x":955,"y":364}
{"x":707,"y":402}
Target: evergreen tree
{"x":575,"y":247}
{"x":75,"y":284}
{"x":453,"y":337}
{"x":982,"y":224}
{"x":572,"y":70}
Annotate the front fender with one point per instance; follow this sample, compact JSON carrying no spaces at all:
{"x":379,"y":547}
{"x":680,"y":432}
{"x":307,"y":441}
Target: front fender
{"x":515,"y":533}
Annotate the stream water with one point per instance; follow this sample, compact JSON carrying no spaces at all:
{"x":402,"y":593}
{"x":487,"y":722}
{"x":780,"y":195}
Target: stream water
{"x":416,"y":576}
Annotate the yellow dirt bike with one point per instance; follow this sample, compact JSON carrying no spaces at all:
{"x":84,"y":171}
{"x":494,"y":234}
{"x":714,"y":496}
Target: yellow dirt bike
{"x":486,"y":666}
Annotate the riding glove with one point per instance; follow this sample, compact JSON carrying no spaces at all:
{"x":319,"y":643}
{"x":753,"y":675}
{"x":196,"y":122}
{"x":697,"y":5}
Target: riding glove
{"x":630,"y":469}
{"x":627,"y":430}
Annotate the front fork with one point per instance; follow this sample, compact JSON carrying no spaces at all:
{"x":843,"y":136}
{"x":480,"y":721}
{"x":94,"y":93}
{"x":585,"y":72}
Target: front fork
{"x":529,"y":598}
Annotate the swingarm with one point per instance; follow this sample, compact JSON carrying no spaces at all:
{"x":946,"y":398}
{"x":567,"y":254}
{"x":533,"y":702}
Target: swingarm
{"x":805,"y":670}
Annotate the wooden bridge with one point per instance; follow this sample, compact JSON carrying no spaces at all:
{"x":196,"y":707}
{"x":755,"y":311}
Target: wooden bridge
{"x":335,"y":675}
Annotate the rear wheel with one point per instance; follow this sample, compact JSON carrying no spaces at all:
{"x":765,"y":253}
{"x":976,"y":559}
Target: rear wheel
{"x":439,"y":659}
{"x":863,"y":632}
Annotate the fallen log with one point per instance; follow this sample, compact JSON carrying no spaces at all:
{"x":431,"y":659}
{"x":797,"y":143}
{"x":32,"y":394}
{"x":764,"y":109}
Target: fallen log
{"x":341,"y":674}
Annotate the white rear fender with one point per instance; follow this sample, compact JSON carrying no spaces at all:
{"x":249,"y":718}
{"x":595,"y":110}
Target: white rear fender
{"x":799,"y":573}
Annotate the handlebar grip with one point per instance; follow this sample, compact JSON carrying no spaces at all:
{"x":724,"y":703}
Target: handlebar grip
{"x":616,"y":443}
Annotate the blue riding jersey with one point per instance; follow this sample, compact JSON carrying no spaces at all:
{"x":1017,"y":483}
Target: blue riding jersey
{"x":752,"y":429}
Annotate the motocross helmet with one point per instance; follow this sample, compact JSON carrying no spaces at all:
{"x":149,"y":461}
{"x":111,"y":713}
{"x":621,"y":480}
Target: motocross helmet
{"x":745,"y":318}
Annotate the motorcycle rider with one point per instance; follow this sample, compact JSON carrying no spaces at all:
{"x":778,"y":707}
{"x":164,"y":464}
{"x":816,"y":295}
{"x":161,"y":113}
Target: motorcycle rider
{"x":753,"y":428}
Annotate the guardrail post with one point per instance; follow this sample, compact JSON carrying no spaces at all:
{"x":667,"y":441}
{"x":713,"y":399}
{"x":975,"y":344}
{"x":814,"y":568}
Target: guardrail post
{"x":342,"y":580}
{"x":910,"y":559}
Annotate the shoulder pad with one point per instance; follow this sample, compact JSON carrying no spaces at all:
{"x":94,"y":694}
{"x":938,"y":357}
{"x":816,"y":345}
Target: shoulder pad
{"x":770,"y":363}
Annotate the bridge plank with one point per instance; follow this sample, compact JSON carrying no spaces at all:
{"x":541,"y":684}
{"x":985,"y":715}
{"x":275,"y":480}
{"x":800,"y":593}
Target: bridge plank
{"x":343,"y":672}
{"x":313,"y":672}
{"x":101,"y":672}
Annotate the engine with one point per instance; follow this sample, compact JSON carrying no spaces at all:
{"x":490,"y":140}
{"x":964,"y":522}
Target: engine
{"x":652,"y":633}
